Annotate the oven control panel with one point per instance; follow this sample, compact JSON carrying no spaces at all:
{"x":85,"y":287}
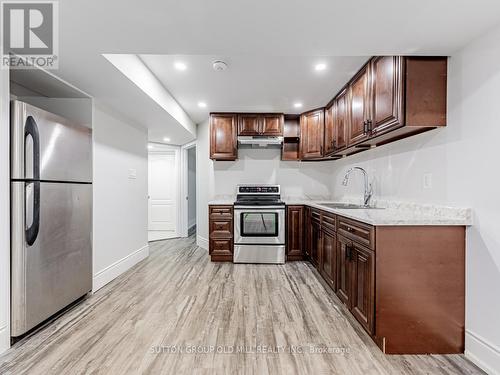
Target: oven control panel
{"x":256,"y":189}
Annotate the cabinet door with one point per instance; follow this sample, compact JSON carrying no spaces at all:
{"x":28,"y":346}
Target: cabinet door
{"x":249,"y":124}
{"x":223,"y":138}
{"x":272,"y":125}
{"x":307,"y":239}
{"x":387,"y":89}
{"x":312,"y":134}
{"x":363,"y":288}
{"x":340,"y":121}
{"x":328,"y":265}
{"x":329,"y":131}
{"x":315,"y":243}
{"x":344,"y":280}
{"x":359,"y":107}
{"x":295,"y":233}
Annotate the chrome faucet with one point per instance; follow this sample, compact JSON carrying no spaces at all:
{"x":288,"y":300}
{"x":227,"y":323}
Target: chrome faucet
{"x":368,"y":187}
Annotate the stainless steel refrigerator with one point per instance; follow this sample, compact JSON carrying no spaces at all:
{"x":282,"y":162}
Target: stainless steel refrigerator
{"x":51,"y":212}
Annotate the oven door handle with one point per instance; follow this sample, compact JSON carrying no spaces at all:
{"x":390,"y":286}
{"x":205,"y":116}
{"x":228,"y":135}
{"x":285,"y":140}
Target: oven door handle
{"x":257,"y":208}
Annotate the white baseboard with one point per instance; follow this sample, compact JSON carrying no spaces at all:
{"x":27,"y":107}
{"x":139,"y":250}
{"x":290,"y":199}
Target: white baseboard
{"x":202,"y":242}
{"x":111,"y":272}
{"x":4,"y":338}
{"x":483,"y":353}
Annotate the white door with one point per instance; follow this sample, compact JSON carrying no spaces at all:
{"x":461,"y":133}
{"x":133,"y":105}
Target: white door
{"x":163,"y":182}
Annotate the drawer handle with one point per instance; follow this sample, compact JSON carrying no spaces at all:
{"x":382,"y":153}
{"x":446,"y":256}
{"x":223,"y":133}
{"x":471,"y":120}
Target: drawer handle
{"x":349,"y":229}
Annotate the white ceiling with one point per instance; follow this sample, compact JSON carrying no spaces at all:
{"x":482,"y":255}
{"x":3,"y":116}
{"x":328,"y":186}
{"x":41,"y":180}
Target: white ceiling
{"x":252,"y":83}
{"x":228,"y":28}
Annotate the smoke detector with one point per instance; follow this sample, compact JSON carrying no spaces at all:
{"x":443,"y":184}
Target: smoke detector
{"x":219,"y":65}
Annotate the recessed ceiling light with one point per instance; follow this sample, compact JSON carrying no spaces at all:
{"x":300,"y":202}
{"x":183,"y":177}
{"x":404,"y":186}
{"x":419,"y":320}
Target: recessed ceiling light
{"x":166,"y":139}
{"x":202,"y":104}
{"x":319,"y":67}
{"x":150,"y":147}
{"x":180,"y":66}
{"x":297,"y":105}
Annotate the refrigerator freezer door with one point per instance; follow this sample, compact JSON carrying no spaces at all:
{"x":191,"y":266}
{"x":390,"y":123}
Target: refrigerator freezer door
{"x":65,"y":148}
{"x":57,"y":268}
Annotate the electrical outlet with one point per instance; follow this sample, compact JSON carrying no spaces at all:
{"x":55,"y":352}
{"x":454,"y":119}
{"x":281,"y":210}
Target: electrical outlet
{"x":427,"y":180}
{"x":132,"y":174}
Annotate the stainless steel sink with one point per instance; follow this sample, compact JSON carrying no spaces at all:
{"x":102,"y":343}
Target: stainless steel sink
{"x":349,"y":206}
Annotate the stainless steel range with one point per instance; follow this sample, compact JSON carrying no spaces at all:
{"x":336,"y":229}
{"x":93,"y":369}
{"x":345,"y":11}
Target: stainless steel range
{"x":259,"y":225}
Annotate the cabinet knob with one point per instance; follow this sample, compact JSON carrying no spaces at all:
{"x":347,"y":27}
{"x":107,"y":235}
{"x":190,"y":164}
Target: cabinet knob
{"x":349,"y":229}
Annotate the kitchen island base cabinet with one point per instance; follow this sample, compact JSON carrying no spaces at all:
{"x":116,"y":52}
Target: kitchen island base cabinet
{"x":220,"y":227}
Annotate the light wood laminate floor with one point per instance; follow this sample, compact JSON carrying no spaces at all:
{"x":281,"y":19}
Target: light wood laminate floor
{"x":177,"y":297}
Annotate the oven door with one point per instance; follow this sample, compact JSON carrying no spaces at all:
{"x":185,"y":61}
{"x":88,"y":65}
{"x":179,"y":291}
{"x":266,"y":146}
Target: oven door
{"x":259,"y":225}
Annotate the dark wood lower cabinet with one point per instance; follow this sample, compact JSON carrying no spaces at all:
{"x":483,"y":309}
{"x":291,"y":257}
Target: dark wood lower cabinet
{"x":328,"y":261}
{"x":307,"y":234}
{"x":315,"y":244}
{"x":295,"y":233}
{"x":394,"y":280}
{"x":344,"y":280}
{"x":220,"y":227}
{"x":362,"y":269}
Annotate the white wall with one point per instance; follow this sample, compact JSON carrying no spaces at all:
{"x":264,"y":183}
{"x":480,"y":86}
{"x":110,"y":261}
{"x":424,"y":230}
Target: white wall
{"x":297,"y":179}
{"x":120,"y":203}
{"x":5,"y":211}
{"x":463,"y":160}
{"x":191,"y":187}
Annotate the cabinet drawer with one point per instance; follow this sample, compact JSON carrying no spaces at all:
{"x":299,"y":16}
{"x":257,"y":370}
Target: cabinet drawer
{"x":361,"y":233}
{"x":219,"y":211}
{"x":221,"y":228}
{"x":328,"y":221}
{"x":316,"y":215}
{"x":221,"y":247}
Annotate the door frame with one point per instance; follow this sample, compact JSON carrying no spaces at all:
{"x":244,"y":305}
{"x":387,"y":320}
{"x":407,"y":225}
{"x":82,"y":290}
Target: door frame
{"x":160,"y":149}
{"x":183,"y":202}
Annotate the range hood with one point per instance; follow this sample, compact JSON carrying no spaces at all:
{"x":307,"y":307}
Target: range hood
{"x":260,"y":141}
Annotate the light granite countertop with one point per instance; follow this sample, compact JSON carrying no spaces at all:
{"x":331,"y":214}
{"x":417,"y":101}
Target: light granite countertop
{"x":389,"y":213}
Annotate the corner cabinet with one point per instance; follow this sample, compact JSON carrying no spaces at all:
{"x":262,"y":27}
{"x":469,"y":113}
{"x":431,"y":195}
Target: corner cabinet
{"x":223,"y":136}
{"x":312,"y":128}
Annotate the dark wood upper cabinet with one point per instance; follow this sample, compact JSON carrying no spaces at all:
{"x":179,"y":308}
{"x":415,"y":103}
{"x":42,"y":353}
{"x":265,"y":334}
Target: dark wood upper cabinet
{"x":329,"y":130}
{"x":387,"y":93}
{"x":223,"y":136}
{"x":389,"y":98}
{"x":312,"y":134}
{"x":260,"y":124}
{"x":272,"y":125}
{"x":340,"y":118}
{"x":295,"y":233}
{"x":359,"y":106}
{"x":249,"y":124}
{"x":363,"y":285}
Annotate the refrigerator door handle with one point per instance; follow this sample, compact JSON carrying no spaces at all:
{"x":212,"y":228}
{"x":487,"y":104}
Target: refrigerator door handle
{"x":31,"y":129}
